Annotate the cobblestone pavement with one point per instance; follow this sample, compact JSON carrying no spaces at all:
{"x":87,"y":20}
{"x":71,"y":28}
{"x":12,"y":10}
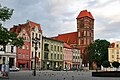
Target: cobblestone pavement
{"x":55,"y":75}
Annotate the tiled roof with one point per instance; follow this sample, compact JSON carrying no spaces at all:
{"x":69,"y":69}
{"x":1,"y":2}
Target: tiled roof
{"x":28,"y":26}
{"x":67,"y":46}
{"x":69,"y":38}
{"x":85,"y":13}
{"x":112,"y":45}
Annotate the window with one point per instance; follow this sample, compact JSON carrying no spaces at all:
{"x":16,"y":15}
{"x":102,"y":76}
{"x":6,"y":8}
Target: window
{"x":82,"y":41}
{"x":32,"y":54}
{"x":39,"y":36}
{"x":117,"y":45}
{"x":23,"y":56}
{"x":117,"y":56}
{"x":36,"y":35}
{"x":54,"y":56}
{"x":58,"y":48}
{"x":19,"y":55}
{"x":112,"y":56}
{"x":46,"y":47}
{"x":82,"y":33}
{"x":27,"y":55}
{"x":45,"y":55}
{"x":81,"y":24}
{"x":58,"y":56}
{"x":61,"y":49}
{"x":23,"y":47}
{"x":4,"y":48}
{"x":73,"y":57}
{"x":4,"y":59}
{"x":12,"y":47}
{"x":39,"y":55}
{"x":32,"y":35}
{"x":27,"y":47}
{"x":61,"y":56}
{"x":39,"y":44}
{"x":117,"y":52}
{"x":51,"y":55}
{"x":55,"y":48}
{"x":51,"y":47}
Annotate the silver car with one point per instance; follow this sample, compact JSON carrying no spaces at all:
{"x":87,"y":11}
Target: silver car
{"x":14,"y":68}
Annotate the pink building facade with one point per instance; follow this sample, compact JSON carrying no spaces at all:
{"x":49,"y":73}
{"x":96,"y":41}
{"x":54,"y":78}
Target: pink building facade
{"x":67,"y":56}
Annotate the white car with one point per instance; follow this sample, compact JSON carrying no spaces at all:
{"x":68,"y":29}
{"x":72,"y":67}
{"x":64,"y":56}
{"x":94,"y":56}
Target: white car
{"x":14,"y":68}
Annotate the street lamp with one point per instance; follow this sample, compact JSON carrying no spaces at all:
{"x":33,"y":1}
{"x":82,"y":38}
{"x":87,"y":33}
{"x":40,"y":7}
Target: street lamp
{"x":35,"y":41}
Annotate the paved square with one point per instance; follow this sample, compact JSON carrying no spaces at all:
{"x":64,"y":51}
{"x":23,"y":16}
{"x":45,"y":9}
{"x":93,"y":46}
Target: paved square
{"x":56,"y":75}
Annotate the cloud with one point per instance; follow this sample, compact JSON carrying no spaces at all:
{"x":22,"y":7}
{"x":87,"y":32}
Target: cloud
{"x":59,"y":16}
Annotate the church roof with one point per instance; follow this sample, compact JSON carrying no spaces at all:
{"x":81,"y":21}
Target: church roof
{"x":69,"y":38}
{"x":85,"y":13}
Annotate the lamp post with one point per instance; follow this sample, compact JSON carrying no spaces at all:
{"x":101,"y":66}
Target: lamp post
{"x":35,"y":41}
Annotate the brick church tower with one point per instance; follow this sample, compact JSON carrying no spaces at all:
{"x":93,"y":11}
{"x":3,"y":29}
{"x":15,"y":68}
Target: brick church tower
{"x":83,"y":36}
{"x":85,"y":31}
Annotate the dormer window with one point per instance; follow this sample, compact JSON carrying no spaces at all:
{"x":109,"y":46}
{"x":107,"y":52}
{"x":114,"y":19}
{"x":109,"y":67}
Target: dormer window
{"x":117,"y":45}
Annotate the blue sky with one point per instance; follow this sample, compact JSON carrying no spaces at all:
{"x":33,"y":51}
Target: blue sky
{"x":59,"y":16}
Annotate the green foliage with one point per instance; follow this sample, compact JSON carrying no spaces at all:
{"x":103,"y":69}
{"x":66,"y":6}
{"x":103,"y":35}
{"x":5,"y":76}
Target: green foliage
{"x":5,"y":13}
{"x":5,"y":35}
{"x":98,"y":51}
{"x":106,"y":64}
{"x":115,"y":64}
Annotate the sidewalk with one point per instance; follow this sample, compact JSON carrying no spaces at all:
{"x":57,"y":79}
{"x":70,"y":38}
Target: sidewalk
{"x":3,"y":77}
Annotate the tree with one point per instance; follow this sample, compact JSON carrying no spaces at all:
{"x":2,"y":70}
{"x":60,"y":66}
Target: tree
{"x":98,"y":51}
{"x":5,"y":35}
{"x":115,"y":64}
{"x":106,"y":64}
{"x":5,"y":13}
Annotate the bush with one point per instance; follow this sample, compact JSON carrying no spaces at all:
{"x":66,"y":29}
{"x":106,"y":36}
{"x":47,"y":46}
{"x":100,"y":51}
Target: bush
{"x":106,"y":64}
{"x":115,"y":64}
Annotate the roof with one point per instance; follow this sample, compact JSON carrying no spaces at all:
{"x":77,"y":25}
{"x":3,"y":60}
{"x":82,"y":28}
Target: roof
{"x":85,"y":13}
{"x":112,"y":45}
{"x":67,"y":46}
{"x":69,"y":38}
{"x":52,"y":39}
{"x":33,"y":24}
{"x":28,"y":26}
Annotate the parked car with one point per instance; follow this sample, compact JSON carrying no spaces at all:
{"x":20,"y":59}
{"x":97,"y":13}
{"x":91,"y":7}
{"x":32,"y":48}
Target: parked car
{"x":57,"y":69}
{"x":65,"y":69}
{"x":14,"y":68}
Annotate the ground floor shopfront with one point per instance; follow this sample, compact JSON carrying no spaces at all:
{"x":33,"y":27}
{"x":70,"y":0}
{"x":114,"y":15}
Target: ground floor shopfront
{"x":23,"y":64}
{"x":75,"y":65}
{"x":50,"y":65}
{"x":67,"y":65}
{"x":8,"y":59}
{"x":38,"y":64}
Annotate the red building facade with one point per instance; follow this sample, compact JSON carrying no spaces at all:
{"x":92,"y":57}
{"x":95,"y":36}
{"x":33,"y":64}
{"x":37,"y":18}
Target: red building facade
{"x":22,"y":53}
{"x":25,"y":54}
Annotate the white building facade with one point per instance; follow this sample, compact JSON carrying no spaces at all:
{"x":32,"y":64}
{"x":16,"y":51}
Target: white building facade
{"x":8,"y":55}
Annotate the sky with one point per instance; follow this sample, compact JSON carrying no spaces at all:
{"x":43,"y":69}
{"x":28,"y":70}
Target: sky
{"x":59,"y":16}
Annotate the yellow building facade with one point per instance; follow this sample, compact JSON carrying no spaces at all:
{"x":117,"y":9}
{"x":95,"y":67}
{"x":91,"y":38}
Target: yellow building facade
{"x":114,"y":52}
